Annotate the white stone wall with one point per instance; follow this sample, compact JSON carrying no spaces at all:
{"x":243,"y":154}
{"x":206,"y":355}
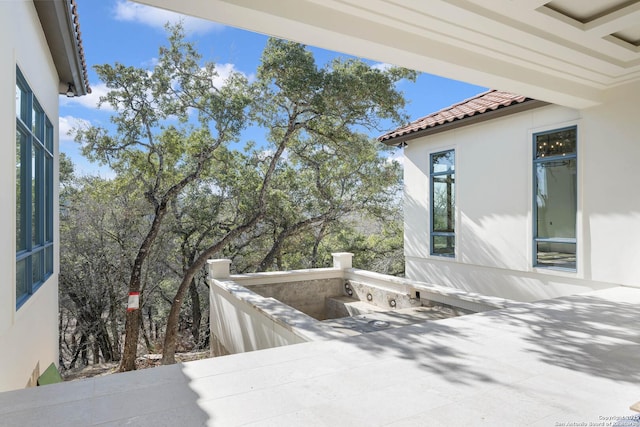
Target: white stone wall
{"x":494,"y":175}
{"x":307,"y":296}
{"x":28,"y":336}
{"x":243,"y":321}
{"x":611,"y":178}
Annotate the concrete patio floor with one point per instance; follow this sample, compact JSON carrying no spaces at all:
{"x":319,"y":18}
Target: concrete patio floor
{"x":562,"y":362}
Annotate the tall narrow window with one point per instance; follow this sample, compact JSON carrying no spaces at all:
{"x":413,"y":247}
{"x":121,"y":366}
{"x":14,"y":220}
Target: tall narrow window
{"x":555,"y":198}
{"x":34,"y":193}
{"x":443,"y":217}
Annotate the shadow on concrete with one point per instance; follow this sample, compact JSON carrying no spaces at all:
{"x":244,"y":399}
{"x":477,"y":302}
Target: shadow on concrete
{"x":421,"y":342}
{"x":425,"y":345}
{"x":158,"y":396}
{"x":582,"y":333}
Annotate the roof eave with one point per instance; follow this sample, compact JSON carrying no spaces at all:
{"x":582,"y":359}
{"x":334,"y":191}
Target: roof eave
{"x":57,"y":23}
{"x":527,"y":104}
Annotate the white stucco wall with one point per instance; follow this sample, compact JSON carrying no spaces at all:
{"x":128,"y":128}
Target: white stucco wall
{"x":494,"y":203}
{"x":28,"y":336}
{"x":244,"y":321}
{"x":612,"y":204}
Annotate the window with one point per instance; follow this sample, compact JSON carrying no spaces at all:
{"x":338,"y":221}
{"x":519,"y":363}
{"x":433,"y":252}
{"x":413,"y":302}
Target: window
{"x":442,"y":183}
{"x":34,"y":193}
{"x":555,"y":198}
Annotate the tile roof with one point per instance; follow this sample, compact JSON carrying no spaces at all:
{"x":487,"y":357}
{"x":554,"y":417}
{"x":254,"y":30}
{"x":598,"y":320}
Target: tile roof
{"x":479,"y":104}
{"x":78,"y":42}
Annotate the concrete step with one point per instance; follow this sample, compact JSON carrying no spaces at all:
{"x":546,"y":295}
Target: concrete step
{"x":344,"y":306}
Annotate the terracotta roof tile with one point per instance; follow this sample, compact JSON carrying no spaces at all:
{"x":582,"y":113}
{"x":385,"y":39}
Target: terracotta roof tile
{"x":479,"y":104}
{"x":79,"y":46}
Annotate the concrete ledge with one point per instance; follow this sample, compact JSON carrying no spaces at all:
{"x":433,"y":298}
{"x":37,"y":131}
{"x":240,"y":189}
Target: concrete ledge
{"x":261,"y":322}
{"x":433,"y":292}
{"x":287,"y":276}
{"x":251,"y":316}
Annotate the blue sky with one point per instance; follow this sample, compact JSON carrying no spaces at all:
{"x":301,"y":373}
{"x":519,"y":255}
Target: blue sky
{"x":129,"y":33}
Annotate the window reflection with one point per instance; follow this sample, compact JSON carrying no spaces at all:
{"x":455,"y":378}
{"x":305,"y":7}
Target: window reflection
{"x":34,"y":192}
{"x":559,"y":143}
{"x":442,"y":194}
{"x":556,"y":194}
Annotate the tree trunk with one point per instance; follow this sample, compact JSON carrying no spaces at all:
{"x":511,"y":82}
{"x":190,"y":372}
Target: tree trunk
{"x":169,"y":348}
{"x":316,"y":246}
{"x":145,"y":337}
{"x":171,"y":333}
{"x":96,"y":351}
{"x":130,"y":352}
{"x":207,"y":333}
{"x":196,"y":312}
{"x":104,"y":342}
{"x":274,"y":252}
{"x":113,"y":320}
{"x":77,"y":350}
{"x":133,"y":317}
{"x":150,"y":319}
{"x":61,"y":333}
{"x":132,"y":326}
{"x":83,"y":350}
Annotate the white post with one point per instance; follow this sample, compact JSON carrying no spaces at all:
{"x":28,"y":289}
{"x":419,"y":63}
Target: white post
{"x":342,"y":260}
{"x":219,"y":268}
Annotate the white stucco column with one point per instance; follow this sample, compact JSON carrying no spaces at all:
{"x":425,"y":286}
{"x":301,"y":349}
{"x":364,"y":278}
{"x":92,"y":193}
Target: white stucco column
{"x":342,"y":260}
{"x":219,"y":268}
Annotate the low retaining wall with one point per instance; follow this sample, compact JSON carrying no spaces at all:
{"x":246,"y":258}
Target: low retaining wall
{"x":242,"y":320}
{"x":428,"y":293}
{"x":307,"y":296}
{"x":246,"y":316}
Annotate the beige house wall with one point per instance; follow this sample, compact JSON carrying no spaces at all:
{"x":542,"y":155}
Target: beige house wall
{"x":494,"y":253}
{"x":29,"y":335}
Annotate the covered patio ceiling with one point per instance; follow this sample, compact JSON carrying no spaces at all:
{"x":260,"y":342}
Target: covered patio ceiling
{"x":568,"y":52}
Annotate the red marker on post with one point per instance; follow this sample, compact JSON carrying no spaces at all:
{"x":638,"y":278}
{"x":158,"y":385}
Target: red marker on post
{"x":134,"y":301}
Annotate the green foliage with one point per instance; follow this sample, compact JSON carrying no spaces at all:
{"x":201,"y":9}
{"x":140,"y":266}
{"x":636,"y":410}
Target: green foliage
{"x":316,"y":185}
{"x":331,"y":100}
{"x":66,"y":172}
{"x":155,"y":141}
{"x":99,"y":227}
{"x":331,"y":172}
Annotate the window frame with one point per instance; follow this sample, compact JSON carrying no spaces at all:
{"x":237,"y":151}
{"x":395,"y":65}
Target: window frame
{"x":34,"y":189}
{"x":560,"y":240}
{"x":433,"y":233}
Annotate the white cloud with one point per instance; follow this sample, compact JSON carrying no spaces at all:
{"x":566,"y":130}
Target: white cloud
{"x":157,"y":18}
{"x":397,"y":156}
{"x":224,"y":71}
{"x":150,"y":63}
{"x":268,"y":153}
{"x":381,"y":66}
{"x":265,"y":154}
{"x":90,"y":100}
{"x":66,"y":123}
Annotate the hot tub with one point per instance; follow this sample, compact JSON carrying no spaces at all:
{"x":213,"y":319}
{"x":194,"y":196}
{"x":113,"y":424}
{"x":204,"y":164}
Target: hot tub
{"x":263,"y":310}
